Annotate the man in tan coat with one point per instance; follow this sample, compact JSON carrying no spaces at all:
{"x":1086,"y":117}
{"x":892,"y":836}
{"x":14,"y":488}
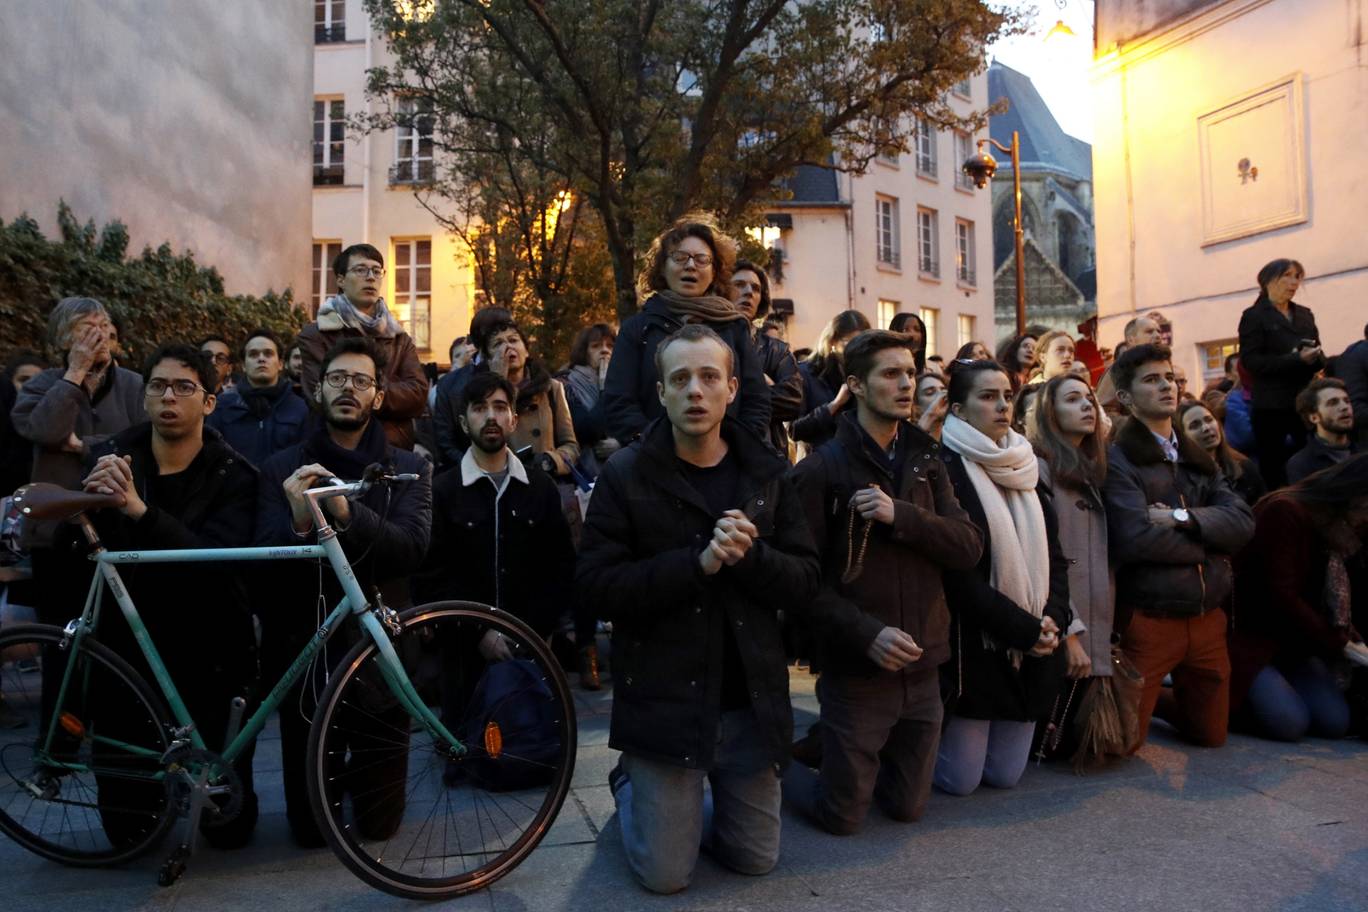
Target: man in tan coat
{"x":358,"y":310}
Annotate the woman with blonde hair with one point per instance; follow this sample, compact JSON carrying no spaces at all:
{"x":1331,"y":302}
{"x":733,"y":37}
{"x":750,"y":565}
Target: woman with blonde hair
{"x":1054,"y":355}
{"x":686,"y":279}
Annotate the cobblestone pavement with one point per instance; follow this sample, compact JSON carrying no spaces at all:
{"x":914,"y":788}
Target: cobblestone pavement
{"x":1254,"y":826}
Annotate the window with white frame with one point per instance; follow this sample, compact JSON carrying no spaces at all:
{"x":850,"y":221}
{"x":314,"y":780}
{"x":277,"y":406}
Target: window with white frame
{"x":964,"y":330}
{"x":412,"y":142}
{"x":887,"y":311}
{"x":412,"y":304}
{"x":924,"y":137}
{"x":330,"y":21}
{"x":928,"y":245}
{"x":324,"y":279}
{"x":886,"y":231}
{"x":930,"y":316}
{"x":329,"y":140}
{"x":963,"y":89}
{"x":1214,"y":356}
{"x":964,"y":149}
{"x":965,"y":271}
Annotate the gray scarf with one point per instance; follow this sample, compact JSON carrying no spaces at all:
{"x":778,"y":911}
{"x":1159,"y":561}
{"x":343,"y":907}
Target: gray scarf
{"x":581,"y":381}
{"x":380,"y":324}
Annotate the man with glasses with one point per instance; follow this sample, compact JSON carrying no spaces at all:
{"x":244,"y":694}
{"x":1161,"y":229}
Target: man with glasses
{"x":261,"y":416}
{"x":182,"y":487}
{"x":358,"y":311}
{"x":220,"y":353}
{"x":384,"y":534}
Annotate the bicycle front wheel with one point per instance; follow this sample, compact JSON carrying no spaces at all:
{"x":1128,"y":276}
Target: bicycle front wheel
{"x":80,"y":782}
{"x":399,"y":809}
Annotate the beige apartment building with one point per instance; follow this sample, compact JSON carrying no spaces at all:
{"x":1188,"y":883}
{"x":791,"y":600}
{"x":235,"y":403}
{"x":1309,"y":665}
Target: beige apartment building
{"x":1228,"y":134}
{"x":363,"y":191}
{"x":911,"y":234}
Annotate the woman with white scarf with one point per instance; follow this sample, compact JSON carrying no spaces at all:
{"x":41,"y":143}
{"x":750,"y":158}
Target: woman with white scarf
{"x":1007,"y":613}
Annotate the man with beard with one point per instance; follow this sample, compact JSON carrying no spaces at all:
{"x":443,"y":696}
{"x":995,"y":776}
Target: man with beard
{"x":499,"y":536}
{"x":385,"y":536}
{"x":181,"y":487}
{"x":263,"y":416}
{"x":1327,"y":410}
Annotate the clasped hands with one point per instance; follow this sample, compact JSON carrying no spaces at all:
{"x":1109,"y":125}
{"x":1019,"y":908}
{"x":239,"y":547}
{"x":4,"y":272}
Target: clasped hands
{"x":113,"y":475}
{"x":732,"y":538}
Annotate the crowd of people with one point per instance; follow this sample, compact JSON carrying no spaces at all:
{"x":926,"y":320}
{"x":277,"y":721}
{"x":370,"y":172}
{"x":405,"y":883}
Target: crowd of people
{"x":962,"y":551}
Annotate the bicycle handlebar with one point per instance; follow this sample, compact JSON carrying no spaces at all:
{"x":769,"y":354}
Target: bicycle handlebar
{"x":332,"y":487}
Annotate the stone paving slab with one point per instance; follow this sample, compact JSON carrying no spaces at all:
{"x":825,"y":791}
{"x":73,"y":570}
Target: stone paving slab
{"x":1253,"y":826}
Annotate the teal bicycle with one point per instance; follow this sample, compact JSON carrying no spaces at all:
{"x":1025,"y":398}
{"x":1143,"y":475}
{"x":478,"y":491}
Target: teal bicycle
{"x":427,"y":780}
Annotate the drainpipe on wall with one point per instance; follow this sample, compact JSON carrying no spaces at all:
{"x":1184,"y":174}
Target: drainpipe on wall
{"x":850,"y":242}
{"x":365,"y":151}
{"x":1130,"y":187}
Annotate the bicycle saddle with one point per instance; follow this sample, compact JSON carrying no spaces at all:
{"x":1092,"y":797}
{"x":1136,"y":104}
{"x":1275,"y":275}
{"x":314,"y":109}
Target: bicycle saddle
{"x":41,"y":500}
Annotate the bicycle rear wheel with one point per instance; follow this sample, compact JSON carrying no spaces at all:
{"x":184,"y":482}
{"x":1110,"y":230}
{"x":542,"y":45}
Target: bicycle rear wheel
{"x":91,"y":794}
{"x":397,"y":809}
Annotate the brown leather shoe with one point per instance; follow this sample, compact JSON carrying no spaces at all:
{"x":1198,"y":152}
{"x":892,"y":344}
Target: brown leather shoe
{"x":588,"y":668}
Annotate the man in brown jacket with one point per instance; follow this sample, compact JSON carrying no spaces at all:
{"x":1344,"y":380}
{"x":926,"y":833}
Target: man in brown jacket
{"x":358,"y":310}
{"x":885,"y":517}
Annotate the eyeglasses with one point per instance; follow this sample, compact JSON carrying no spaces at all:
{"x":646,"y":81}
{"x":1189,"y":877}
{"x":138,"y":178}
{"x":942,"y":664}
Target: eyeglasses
{"x":681,"y":258}
{"x":367,"y":272}
{"x":157,"y":388}
{"x":338,"y":379}
{"x":218,"y":357}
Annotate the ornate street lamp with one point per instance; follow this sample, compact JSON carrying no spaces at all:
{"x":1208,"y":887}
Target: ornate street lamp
{"x":980,"y":169}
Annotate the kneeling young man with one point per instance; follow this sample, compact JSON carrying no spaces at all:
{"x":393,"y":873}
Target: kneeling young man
{"x":1173,"y":522}
{"x":694,"y":540}
{"x":885,"y":517}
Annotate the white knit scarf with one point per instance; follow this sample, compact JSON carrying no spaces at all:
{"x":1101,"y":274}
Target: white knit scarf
{"x":1005,"y":476}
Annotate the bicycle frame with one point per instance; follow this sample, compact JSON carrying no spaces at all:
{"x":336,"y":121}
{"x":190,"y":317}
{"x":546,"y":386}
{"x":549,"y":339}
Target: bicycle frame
{"x":353,"y":602}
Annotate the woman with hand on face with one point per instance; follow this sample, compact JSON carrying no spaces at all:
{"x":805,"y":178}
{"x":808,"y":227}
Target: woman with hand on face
{"x":1296,"y":585}
{"x":1197,"y":423}
{"x":544,"y":421}
{"x":931,"y":406}
{"x":687,"y":279}
{"x":825,"y":394}
{"x":1067,"y":434}
{"x":1009,"y":612}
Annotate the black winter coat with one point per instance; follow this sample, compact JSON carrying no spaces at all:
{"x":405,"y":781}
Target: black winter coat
{"x":786,"y":390}
{"x":1352,"y":368}
{"x":386,"y":539}
{"x":638,"y":567}
{"x":1168,"y":571}
{"x":511,"y":551}
{"x":1268,"y":350}
{"x":816,"y":424}
{"x":629,"y":391}
{"x":197,"y":613}
{"x":981,"y":682}
{"x":900,"y":585}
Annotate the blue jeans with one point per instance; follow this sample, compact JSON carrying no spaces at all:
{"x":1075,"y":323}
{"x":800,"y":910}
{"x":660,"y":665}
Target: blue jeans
{"x":666,"y":815}
{"x":982,"y":751}
{"x":1289,"y":703}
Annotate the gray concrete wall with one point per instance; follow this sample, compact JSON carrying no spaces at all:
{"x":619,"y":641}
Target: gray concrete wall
{"x":1120,"y":21}
{"x":189,"y":120}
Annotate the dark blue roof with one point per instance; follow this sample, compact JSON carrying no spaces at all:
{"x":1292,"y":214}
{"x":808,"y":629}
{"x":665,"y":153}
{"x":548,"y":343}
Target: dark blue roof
{"x":1043,"y":143}
{"x":811,"y":184}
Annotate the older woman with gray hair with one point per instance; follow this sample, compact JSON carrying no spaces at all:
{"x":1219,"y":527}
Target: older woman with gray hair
{"x":64,"y":410}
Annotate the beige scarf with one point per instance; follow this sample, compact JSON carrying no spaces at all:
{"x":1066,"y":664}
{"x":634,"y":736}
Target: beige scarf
{"x":708,"y":308}
{"x":1004,"y":477}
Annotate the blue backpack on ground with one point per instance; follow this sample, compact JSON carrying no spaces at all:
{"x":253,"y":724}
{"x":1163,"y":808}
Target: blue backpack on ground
{"x":511,"y":728}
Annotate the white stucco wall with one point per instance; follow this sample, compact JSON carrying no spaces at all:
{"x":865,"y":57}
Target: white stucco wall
{"x":187,"y":120}
{"x":1149,"y":185}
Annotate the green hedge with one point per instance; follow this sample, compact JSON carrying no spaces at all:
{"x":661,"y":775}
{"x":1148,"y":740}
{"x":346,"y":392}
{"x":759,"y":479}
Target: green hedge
{"x":157,"y":297}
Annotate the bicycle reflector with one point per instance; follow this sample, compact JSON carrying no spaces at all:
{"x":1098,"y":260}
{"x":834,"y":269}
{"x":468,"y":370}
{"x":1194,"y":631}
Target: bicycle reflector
{"x":493,"y":739}
{"x":72,"y":725}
